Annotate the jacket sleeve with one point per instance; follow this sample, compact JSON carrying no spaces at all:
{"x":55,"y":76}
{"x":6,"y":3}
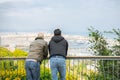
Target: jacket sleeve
{"x":66,"y":47}
{"x":49,"y":47}
{"x":45,"y":51}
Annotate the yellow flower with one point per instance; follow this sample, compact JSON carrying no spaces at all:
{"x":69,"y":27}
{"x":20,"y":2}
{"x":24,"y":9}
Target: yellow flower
{"x":7,"y":78}
{"x":17,"y":78}
{"x":2,"y":73}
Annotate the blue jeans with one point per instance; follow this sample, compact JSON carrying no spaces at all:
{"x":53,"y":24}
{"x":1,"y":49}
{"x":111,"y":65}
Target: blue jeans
{"x":32,"y":70}
{"x":58,"y":65}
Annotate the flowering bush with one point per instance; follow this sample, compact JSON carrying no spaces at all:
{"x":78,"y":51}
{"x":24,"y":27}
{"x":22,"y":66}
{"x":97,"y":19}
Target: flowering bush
{"x":13,"y":74}
{"x":15,"y":69}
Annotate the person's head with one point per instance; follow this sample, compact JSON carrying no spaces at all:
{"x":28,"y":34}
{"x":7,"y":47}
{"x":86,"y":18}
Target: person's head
{"x":57,"y":32}
{"x":40,"y":36}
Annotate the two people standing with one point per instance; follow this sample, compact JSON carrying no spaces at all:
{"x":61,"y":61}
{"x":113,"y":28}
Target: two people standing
{"x":57,"y":47}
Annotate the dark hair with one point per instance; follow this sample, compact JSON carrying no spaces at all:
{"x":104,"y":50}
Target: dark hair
{"x":57,"y":32}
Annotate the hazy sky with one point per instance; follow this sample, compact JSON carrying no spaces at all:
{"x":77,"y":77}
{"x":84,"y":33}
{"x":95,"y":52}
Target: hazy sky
{"x":72,"y":16}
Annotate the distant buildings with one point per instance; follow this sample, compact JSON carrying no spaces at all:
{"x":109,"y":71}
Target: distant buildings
{"x":78,"y":45}
{"x":19,"y":40}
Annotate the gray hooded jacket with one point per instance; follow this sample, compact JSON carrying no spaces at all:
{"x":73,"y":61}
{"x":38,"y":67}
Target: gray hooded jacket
{"x":58,"y":46}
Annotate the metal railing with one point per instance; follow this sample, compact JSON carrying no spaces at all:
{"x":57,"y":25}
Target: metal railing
{"x":77,"y":68}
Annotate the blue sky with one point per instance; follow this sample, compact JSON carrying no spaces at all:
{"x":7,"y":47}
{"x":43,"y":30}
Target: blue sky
{"x":72,"y":16}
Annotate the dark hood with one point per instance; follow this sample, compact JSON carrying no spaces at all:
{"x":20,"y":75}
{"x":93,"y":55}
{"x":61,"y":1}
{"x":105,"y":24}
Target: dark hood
{"x":57,"y":38}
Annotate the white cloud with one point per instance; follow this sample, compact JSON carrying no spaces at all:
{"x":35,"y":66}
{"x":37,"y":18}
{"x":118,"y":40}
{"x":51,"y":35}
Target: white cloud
{"x":29,"y":12}
{"x":20,"y":14}
{"x":4,"y":1}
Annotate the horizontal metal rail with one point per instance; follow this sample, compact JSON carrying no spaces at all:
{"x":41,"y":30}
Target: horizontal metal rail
{"x":77,"y":68}
{"x":69,"y":57}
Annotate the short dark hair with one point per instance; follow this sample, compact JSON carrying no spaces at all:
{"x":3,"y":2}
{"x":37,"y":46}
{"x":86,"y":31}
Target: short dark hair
{"x":57,"y":32}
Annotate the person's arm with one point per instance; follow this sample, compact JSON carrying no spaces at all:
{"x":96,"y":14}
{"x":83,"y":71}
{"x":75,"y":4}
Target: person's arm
{"x":66,"y":47}
{"x":49,"y":47}
{"x":45,"y":51}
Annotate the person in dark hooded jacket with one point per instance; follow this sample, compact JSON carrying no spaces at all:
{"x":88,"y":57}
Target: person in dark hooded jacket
{"x":58,"y":48}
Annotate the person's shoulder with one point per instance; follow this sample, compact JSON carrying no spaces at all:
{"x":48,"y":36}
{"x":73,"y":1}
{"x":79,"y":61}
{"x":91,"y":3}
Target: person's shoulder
{"x":64,"y":39}
{"x":33,"y":41}
{"x":43,"y":41}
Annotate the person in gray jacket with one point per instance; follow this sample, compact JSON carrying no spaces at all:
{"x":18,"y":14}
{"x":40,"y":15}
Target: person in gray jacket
{"x":58,"y":48}
{"x":38,"y":50}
